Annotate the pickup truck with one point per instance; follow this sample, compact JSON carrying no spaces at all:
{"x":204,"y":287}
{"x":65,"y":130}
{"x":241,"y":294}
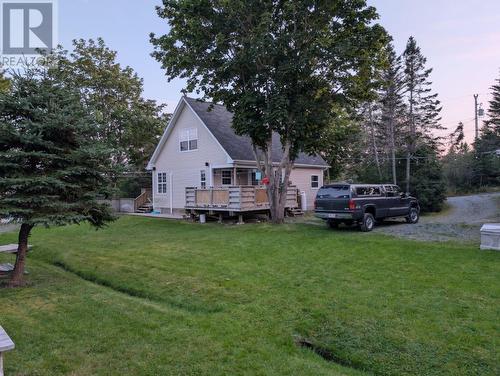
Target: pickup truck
{"x":364,"y":204}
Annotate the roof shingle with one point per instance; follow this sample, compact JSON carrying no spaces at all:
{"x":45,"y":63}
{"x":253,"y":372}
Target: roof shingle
{"x":218,"y":120}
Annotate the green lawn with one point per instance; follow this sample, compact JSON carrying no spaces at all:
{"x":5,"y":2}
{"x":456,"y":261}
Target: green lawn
{"x":158,"y":297}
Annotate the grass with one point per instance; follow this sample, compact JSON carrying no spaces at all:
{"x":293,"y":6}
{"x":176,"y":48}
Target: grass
{"x":157,"y":297}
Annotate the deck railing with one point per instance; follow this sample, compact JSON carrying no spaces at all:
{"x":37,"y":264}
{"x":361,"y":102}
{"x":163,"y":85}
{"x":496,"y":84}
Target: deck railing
{"x":234,"y":198}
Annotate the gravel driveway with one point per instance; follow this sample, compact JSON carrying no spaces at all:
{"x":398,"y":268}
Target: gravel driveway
{"x":461,"y":221}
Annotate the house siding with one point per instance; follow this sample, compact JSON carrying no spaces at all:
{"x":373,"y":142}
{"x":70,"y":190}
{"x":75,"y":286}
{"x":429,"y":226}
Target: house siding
{"x":301,"y":177}
{"x":185,"y":167}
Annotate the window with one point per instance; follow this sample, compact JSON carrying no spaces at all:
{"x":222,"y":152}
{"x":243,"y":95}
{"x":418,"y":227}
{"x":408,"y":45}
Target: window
{"x":162,"y":182}
{"x":368,"y":191}
{"x":203,"y":179}
{"x":227,"y":177}
{"x":335,"y":191}
{"x":188,"y":139}
{"x":256,"y":177}
{"x":389,"y":191}
{"x":314,"y":181}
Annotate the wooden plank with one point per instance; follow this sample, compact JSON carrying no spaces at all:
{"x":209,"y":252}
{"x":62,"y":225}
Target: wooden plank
{"x":6,"y":267}
{"x":10,"y":248}
{"x":261,"y":196}
{"x":203,"y":197}
{"x":221,"y":197}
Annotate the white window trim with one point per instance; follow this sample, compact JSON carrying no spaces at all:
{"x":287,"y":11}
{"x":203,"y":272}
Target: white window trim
{"x":188,"y":139}
{"x":222,"y":177}
{"x":163,"y":182}
{"x":312,"y":182}
{"x":204,"y":172}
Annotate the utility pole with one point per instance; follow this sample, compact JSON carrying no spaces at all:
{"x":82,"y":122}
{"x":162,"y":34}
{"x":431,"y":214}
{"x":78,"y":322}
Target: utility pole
{"x":476,"y":117}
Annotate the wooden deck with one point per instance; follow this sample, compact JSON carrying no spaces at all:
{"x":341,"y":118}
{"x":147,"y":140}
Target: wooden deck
{"x":237,"y":199}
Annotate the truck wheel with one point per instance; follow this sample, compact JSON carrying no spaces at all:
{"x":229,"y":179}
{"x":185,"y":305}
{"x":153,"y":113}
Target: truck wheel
{"x":332,"y":224}
{"x":413,"y":216}
{"x":368,"y":222}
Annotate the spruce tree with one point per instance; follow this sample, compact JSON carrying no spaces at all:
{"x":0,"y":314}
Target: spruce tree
{"x":494,"y":108}
{"x":4,"y":83}
{"x":52,"y":170}
{"x":423,"y":106}
{"x":393,"y":107}
{"x":487,"y":162}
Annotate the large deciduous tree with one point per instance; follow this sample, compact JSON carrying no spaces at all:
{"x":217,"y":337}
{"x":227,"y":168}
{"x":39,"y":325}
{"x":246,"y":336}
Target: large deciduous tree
{"x":52,"y":170}
{"x":129,"y":124}
{"x":279,"y":66}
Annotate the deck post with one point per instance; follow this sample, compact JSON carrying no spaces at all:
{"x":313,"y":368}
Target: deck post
{"x":240,"y":219}
{"x":1,"y":364}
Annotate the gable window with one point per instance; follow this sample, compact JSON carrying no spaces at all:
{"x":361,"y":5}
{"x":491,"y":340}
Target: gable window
{"x":314,"y":181}
{"x":203,"y":179}
{"x":162,"y":182}
{"x":188,"y":139}
{"x":227,"y":177}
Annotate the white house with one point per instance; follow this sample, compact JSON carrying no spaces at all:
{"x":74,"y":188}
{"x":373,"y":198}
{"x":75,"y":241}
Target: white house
{"x":200,"y":149}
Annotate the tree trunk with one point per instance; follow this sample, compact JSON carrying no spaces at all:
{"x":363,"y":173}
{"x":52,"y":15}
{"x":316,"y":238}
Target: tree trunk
{"x":17,"y":278}
{"x":374,"y":145}
{"x":393,"y":152}
{"x":408,"y":164}
{"x":278,"y":183}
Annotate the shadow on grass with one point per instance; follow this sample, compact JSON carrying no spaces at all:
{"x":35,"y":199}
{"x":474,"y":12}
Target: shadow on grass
{"x":191,"y":308}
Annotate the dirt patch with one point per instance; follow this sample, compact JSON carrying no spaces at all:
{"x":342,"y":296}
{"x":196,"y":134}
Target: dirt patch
{"x":327,"y":354}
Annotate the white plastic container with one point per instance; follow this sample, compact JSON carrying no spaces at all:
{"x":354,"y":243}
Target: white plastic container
{"x":303,"y":201}
{"x":490,"y":236}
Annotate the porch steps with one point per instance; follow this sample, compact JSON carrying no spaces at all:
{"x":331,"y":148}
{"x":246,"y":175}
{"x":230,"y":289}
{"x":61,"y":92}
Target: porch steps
{"x":146,"y":208}
{"x":295,"y":212}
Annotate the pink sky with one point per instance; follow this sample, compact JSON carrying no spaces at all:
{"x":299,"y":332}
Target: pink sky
{"x":461,"y":40}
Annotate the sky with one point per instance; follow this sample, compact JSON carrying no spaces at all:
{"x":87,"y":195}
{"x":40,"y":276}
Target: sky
{"x":460,"y":38}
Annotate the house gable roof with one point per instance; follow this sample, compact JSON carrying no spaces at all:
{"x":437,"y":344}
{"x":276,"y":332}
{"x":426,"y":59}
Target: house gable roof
{"x":218,"y":121}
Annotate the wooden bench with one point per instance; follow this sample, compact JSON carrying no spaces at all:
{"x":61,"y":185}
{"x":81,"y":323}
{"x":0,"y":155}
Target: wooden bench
{"x":10,"y":248}
{"x":7,"y":268}
{"x":6,"y":344}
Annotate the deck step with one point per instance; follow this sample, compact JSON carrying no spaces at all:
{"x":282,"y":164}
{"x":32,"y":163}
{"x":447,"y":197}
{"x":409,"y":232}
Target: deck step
{"x":295,"y":212}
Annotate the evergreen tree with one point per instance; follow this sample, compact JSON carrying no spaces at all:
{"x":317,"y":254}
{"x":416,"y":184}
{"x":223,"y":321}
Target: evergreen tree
{"x":457,"y":137}
{"x":423,"y":107}
{"x":494,"y":107}
{"x":393,"y":107}
{"x":428,"y":184}
{"x":487,"y":164}
{"x":4,"y":83}
{"x":52,"y":170}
